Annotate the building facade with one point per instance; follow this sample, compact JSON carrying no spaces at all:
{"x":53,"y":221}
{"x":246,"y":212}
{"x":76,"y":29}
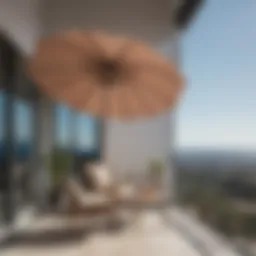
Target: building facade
{"x":34,"y":129}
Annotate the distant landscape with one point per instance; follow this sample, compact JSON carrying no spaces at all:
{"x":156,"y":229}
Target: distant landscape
{"x":222,"y":160}
{"x":221,"y":187}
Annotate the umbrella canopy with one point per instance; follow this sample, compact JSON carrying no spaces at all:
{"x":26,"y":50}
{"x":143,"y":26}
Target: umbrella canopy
{"x":105,"y":75}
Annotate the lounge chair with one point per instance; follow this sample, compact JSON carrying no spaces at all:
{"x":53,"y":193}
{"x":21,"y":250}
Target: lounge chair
{"x":102,"y":197}
{"x":106,"y":195}
{"x":78,"y":201}
{"x":103,"y":181}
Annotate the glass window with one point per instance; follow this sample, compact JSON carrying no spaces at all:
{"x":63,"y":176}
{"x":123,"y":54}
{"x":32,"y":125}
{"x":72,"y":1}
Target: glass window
{"x":61,"y":157}
{"x":63,"y":126}
{"x":1,"y":151}
{"x":76,"y":141}
{"x":23,"y":128}
{"x":75,"y":131}
{"x":2,"y":139}
{"x":86,"y":134}
{"x":2,"y":123}
{"x":23,"y":143}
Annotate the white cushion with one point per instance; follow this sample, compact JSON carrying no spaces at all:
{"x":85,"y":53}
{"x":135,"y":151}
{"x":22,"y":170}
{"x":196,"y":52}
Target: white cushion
{"x":94,"y":199}
{"x":84,"y":198}
{"x":101,"y":176}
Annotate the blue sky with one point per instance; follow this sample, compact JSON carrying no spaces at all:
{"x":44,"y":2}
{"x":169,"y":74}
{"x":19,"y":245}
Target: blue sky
{"x":219,"y":59}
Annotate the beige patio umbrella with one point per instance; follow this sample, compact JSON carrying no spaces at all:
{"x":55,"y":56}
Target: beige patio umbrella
{"x":105,"y":75}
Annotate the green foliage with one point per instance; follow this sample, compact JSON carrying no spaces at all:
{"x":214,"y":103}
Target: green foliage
{"x":214,"y":207}
{"x":156,"y":168}
{"x":59,"y":162}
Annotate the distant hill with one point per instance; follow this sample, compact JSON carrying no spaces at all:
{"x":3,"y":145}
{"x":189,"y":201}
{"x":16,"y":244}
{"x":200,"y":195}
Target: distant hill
{"x":219,"y":160}
{"x":233,"y":172}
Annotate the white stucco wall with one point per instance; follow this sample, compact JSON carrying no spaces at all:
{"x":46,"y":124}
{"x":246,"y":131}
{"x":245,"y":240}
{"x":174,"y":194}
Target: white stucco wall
{"x":128,"y":146}
{"x":20,"y":19}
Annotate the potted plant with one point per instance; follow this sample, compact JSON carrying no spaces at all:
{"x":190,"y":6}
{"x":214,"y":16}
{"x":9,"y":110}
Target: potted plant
{"x":156,"y":168}
{"x":59,"y":162}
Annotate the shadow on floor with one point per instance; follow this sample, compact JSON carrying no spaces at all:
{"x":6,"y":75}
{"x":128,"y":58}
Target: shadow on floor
{"x":187,"y":234}
{"x":45,"y":238}
{"x":57,"y":237}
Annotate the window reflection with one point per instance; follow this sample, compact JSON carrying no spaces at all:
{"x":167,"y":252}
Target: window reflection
{"x":2,"y":150}
{"x":76,"y":141}
{"x":63,"y":126}
{"x":2,"y":126}
{"x":76,"y":132}
{"x":86,"y":142}
{"x":86,"y":134}
{"x":23,"y":141}
{"x":61,"y":157}
{"x":16,"y":133}
{"x":23,"y":118}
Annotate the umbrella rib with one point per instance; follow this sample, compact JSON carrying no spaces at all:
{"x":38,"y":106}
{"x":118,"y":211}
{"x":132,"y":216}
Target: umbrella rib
{"x":89,"y":98}
{"x":166,"y":90}
{"x":170,"y":71}
{"x":90,"y":37}
{"x":154,"y":94}
{"x":79,"y":100}
{"x":167,"y":99}
{"x":113,"y":102}
{"x":95,"y":43}
{"x":124,"y":50}
{"x":127,"y":104}
{"x":104,"y":102}
{"x":144,"y":101}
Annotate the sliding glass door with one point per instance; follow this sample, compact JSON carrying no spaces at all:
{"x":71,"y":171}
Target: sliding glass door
{"x":62,"y":153}
{"x":2,"y":154}
{"x":23,"y":150}
{"x":77,"y":140}
{"x":86,"y":140}
{"x":16,"y":134}
{"x":87,"y":136}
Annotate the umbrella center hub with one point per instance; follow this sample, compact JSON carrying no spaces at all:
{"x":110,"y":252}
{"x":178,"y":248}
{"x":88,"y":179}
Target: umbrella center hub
{"x":109,"y":70}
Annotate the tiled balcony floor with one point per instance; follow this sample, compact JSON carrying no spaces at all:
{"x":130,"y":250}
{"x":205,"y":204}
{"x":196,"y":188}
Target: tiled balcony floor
{"x":147,"y":235}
